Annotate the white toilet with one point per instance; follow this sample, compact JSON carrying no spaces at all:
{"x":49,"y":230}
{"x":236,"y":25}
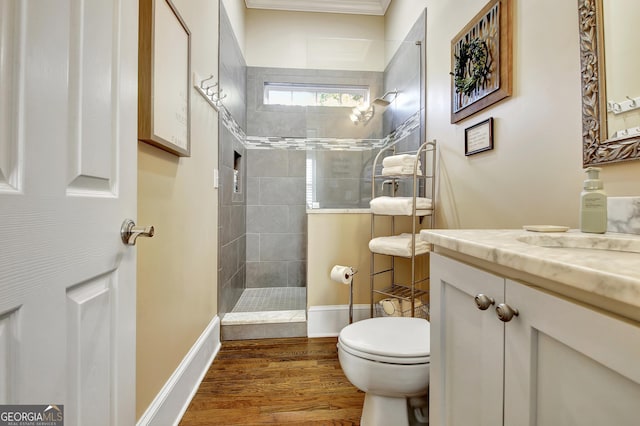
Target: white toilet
{"x":388,"y":358}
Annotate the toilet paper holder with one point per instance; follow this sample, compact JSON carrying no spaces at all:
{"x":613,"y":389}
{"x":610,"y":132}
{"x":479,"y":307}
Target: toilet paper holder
{"x":348,"y":278}
{"x":353,"y":272}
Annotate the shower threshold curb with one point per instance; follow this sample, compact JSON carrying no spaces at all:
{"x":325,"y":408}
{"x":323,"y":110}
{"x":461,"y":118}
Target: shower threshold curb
{"x":264,"y":317}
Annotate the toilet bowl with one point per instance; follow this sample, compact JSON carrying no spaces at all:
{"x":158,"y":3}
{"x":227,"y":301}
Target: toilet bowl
{"x":388,"y":359}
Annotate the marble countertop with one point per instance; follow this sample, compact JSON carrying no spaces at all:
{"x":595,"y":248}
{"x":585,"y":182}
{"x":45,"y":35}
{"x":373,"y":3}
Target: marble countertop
{"x":612,"y":274}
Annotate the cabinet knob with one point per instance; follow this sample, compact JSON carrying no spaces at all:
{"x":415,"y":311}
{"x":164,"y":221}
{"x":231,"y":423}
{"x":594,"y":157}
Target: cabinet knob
{"x":506,"y":312}
{"x":483,"y":301}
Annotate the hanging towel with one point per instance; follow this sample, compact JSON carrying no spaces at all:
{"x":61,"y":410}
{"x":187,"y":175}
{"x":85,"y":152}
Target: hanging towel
{"x":399,"y":205}
{"x":398,"y":245}
{"x":398,"y":160}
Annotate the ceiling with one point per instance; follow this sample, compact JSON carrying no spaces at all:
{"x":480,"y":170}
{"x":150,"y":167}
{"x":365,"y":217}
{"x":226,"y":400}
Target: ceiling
{"x":360,"y":7}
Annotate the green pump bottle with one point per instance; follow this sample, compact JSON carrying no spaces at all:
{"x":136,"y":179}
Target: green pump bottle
{"x":593,"y":203}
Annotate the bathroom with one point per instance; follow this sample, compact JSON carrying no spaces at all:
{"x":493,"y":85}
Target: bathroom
{"x":533,"y":174}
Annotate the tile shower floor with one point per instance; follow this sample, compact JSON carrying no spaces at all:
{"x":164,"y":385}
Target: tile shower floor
{"x":271,"y":299}
{"x":269,"y":305}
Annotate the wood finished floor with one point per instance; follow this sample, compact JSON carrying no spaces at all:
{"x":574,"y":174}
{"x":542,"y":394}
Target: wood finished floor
{"x":295,"y":381}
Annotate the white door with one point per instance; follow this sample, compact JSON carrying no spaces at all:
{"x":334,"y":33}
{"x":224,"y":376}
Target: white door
{"x":68,"y":94}
{"x":467,"y":345}
{"x":568,"y":365}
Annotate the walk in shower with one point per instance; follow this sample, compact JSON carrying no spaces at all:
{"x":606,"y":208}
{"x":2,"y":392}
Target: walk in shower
{"x":292,"y":140}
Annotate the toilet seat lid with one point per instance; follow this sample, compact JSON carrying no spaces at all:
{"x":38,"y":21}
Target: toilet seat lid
{"x":396,"y":337}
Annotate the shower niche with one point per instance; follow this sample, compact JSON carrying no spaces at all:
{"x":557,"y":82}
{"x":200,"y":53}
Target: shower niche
{"x":236,"y":172}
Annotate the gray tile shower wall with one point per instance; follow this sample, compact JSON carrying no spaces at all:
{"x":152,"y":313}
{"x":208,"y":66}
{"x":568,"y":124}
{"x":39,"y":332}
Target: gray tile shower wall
{"x":276,"y":218}
{"x":232,"y":222}
{"x":232,"y":230}
{"x":232,"y":70}
{"x":232,"y":155}
{"x":336,"y":185}
{"x":276,"y":186}
{"x":315,"y":122}
{"x":404,"y":73}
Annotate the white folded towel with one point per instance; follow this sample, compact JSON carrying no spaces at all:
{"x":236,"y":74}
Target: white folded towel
{"x":400,"y":170}
{"x":398,"y":160}
{"x":397,"y":245}
{"x":398,"y":205}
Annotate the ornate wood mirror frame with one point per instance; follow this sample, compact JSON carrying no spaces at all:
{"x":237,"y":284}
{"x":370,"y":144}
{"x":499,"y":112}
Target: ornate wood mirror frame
{"x":596,"y":148}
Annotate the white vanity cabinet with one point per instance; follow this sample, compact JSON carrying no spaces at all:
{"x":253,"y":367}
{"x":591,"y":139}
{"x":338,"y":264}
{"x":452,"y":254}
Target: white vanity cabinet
{"x":556,"y":363}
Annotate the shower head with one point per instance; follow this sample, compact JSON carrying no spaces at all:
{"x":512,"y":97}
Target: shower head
{"x":384,"y":102}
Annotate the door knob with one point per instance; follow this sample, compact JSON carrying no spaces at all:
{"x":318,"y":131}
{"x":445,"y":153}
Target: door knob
{"x":506,"y":312}
{"x":483,"y":301}
{"x":129,"y":232}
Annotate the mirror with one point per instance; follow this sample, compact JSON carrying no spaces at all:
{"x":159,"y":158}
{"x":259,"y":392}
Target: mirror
{"x":610,"y":105}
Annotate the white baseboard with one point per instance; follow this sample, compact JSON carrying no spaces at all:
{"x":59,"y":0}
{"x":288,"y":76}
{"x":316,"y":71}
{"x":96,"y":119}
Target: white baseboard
{"x":328,"y":320}
{"x":172,"y":401}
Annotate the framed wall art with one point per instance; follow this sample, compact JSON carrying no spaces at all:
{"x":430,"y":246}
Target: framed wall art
{"x":481,"y":61}
{"x":163,"y":77}
{"x":479,"y":137}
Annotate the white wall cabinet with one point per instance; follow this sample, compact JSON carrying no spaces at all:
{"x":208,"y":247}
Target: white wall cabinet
{"x":556,"y":363}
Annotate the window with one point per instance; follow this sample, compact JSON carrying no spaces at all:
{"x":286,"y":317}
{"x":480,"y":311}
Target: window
{"x":315,"y":95}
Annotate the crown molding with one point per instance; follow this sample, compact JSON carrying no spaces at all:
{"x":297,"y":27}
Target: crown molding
{"x":359,"y":7}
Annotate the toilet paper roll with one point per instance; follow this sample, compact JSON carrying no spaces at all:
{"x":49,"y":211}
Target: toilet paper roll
{"x":342,"y":274}
{"x":391,"y":307}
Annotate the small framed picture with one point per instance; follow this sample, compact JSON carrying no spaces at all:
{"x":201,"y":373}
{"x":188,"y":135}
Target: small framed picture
{"x":478,"y":137}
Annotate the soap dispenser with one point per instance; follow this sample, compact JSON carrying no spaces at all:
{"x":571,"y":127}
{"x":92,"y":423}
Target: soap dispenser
{"x":593,"y":203}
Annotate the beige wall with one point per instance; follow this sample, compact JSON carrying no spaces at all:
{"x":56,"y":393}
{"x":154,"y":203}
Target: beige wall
{"x":177,"y":272}
{"x":314,"y":40}
{"x":534,"y":173}
{"x":236,"y":10}
{"x":337,"y":239}
{"x":400,"y":16}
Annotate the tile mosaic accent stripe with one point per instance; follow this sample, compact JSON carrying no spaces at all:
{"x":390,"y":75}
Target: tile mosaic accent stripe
{"x":231,"y":124}
{"x":304,"y":144}
{"x":331,"y":144}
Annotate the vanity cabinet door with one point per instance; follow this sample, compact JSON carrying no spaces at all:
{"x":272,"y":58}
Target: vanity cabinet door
{"x":467,"y":346}
{"x":566,"y":364}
